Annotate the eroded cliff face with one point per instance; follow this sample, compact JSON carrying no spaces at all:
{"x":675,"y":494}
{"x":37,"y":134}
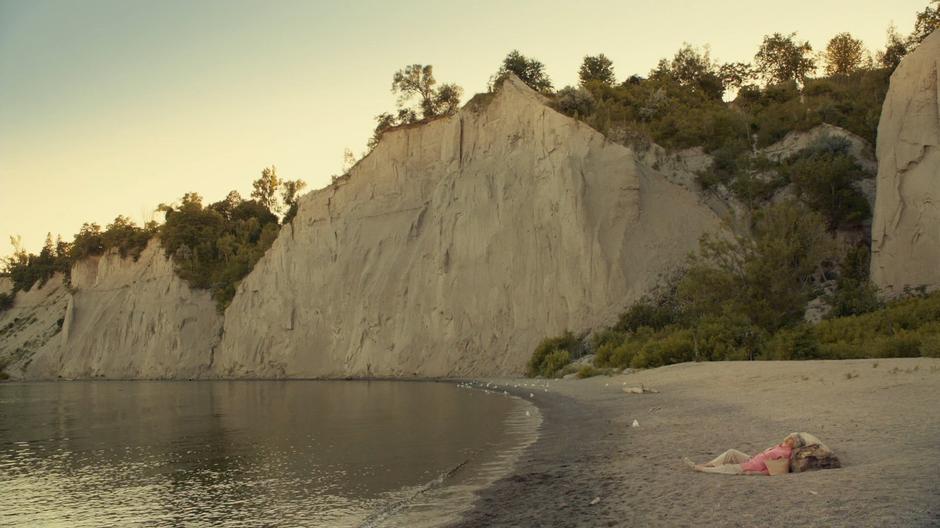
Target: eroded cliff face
{"x":455,"y":246}
{"x":32,"y":323}
{"x":906,"y":227}
{"x":119,"y":319}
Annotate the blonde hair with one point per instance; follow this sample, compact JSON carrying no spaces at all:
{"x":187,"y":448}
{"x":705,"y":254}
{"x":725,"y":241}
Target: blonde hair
{"x":797,"y":439}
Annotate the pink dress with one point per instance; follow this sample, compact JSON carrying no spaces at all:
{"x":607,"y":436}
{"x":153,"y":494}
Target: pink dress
{"x":757,"y":463}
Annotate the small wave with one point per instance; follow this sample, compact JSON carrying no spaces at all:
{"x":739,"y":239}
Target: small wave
{"x":399,"y":505}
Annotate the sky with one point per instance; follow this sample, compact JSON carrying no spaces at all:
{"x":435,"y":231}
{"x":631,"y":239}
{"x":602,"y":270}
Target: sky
{"x":111,"y":107}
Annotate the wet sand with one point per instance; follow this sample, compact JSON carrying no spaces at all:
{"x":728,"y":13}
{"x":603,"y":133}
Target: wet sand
{"x":591,"y":468}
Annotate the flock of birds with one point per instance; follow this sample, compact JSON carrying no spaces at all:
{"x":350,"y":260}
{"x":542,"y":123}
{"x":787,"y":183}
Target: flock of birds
{"x":489,"y":387}
{"x":495,"y":388}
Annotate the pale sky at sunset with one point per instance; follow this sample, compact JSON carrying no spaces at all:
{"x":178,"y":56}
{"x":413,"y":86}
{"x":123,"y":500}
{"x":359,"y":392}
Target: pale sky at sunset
{"x":111,"y":107}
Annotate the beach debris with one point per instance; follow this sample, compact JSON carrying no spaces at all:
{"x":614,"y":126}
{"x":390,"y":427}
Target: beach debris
{"x":639,"y":390}
{"x":813,"y":492}
{"x":531,"y":395}
{"x":595,"y":501}
{"x":527,"y":413}
{"x":635,"y":423}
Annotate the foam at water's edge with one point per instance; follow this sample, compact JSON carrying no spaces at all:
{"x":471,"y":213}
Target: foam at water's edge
{"x":442,"y":500}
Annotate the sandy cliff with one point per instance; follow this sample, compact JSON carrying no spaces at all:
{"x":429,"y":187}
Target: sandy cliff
{"x":34,"y":322}
{"x":906,"y":227}
{"x":120,"y":318}
{"x":452,"y":249}
{"x":455,"y":246}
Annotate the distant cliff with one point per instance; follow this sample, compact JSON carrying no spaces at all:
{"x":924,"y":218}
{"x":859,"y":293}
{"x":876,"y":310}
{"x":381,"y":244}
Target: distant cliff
{"x":906,"y":228}
{"x":451,"y":249}
{"x":119,"y":318}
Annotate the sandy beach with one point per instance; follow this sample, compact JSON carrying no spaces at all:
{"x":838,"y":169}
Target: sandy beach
{"x":590,"y":467}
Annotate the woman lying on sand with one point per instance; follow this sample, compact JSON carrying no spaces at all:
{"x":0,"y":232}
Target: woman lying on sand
{"x":734,"y":462}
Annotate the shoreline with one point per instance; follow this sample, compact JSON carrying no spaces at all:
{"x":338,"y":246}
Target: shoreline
{"x":589,"y":467}
{"x":451,"y":495}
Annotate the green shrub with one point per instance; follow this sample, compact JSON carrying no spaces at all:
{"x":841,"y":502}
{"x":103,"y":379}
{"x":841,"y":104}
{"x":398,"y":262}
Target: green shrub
{"x":588,"y":371}
{"x":624,"y":355}
{"x":930,"y":345}
{"x":672,"y":347}
{"x":840,"y":350}
{"x":799,"y":342}
{"x":607,"y":337}
{"x":824,"y":176}
{"x":6,"y":301}
{"x":900,"y":345}
{"x":655,"y":314}
{"x":855,"y":293}
{"x":727,"y":337}
{"x":553,"y":362}
{"x":547,"y":358}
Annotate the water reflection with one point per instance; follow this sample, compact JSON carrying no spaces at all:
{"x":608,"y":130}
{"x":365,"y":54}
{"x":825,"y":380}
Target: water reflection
{"x":229,"y":453}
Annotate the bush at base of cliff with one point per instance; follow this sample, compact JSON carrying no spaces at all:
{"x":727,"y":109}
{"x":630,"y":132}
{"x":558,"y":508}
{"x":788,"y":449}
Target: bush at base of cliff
{"x":855,"y":294}
{"x":908,"y":327}
{"x":799,"y":342}
{"x":552,"y":354}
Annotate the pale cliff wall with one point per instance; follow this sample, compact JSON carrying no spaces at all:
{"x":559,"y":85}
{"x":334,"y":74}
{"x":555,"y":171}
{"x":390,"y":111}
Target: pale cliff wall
{"x":33,"y":322}
{"x":906,"y":227}
{"x":455,"y":246}
{"x":123,"y":319}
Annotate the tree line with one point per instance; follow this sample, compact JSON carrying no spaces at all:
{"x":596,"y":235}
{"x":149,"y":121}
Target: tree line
{"x":213,"y":246}
{"x":782,"y":60}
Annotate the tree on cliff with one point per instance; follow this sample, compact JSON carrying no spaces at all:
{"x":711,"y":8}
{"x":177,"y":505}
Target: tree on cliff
{"x":895,"y":50}
{"x":265,"y":188}
{"x":692,"y":69}
{"x":597,"y":68}
{"x":289,"y":192}
{"x":88,"y":241}
{"x":926,"y":23}
{"x":529,"y":71}
{"x":215,"y":246}
{"x":418,"y":80}
{"x":844,"y":55}
{"x":782,"y":58}
{"x":736,"y":75}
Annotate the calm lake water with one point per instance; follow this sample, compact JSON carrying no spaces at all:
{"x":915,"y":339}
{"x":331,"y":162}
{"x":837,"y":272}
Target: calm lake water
{"x":251,"y":453}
